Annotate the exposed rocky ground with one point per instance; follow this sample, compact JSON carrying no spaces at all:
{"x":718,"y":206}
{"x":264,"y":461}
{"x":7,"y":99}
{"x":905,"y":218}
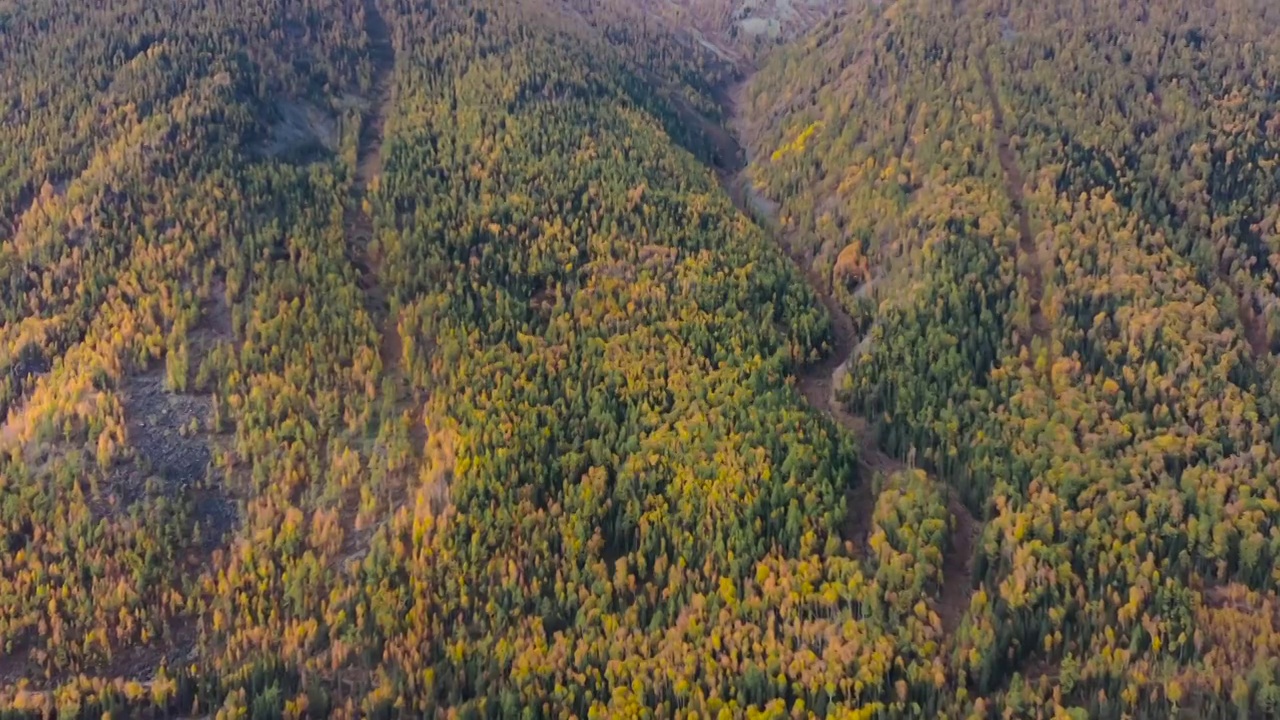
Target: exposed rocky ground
{"x":171,"y":437}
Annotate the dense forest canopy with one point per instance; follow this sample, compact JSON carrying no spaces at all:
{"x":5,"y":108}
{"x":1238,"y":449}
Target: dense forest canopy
{"x":1059,"y":224}
{"x":405,"y":358}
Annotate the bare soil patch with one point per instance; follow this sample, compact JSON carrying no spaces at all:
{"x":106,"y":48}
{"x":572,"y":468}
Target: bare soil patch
{"x":1255,"y":330}
{"x":957,"y":565}
{"x":215,"y":324}
{"x":301,"y":132}
{"x":169,"y":435}
{"x":132,"y":662}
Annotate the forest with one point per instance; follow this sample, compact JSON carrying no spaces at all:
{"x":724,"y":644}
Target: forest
{"x":449,"y":358}
{"x":1059,"y":226}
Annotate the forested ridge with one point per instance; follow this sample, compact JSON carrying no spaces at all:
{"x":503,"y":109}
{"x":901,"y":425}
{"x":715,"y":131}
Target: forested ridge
{"x":404,"y":358}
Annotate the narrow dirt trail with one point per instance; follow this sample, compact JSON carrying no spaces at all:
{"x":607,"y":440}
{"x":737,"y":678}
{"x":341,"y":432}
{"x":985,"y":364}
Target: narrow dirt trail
{"x":1255,"y":331}
{"x":1015,"y":184}
{"x":957,"y":564}
{"x":817,"y":380}
{"x":358,"y":224}
{"x":382,"y":55}
{"x":362,"y":253}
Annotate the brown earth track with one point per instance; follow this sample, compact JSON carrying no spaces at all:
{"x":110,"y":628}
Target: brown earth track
{"x":1015,"y":184}
{"x":817,"y":380}
{"x":1255,"y":331}
{"x":358,"y":223}
{"x":363,"y":254}
{"x":957,"y":564}
{"x":382,"y":55}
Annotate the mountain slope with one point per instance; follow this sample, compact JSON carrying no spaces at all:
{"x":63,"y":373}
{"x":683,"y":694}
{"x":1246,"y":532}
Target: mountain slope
{"x":1056,"y":225}
{"x":372,"y":363}
{"x":411,"y":358}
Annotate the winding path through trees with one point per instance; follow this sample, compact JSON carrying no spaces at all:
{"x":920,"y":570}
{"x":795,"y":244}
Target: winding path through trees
{"x":817,"y":380}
